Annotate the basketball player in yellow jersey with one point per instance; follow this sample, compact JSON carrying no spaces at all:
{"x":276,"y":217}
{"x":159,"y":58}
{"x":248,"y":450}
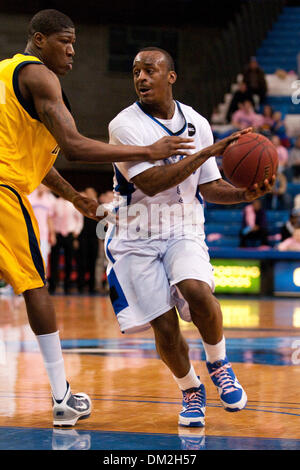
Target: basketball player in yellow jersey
{"x":34,"y":123}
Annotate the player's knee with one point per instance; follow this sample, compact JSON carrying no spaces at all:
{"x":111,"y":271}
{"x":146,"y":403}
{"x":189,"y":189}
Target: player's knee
{"x":166,"y":330}
{"x":200,"y":297}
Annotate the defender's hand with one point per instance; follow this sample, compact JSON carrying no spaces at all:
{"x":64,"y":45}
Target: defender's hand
{"x":168,"y":146}
{"x":87,"y":207}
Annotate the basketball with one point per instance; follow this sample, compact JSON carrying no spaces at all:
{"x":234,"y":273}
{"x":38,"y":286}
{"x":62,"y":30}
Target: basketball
{"x":250,"y":159}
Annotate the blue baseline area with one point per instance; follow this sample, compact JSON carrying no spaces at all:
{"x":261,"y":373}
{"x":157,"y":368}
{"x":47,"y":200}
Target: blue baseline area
{"x":253,"y":253}
{"x":264,"y":350}
{"x":14,"y":438}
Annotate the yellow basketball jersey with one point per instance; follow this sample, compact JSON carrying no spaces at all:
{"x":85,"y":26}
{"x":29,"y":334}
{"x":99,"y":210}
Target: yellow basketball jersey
{"x":27,"y":149}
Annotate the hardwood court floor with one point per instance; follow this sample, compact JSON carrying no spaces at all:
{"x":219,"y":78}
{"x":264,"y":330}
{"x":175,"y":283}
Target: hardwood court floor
{"x":135,"y":399}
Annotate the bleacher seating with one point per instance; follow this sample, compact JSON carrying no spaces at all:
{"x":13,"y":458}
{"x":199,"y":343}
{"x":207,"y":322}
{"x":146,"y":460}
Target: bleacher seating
{"x":226,"y":226}
{"x":278,"y":52}
{"x":280,"y":48}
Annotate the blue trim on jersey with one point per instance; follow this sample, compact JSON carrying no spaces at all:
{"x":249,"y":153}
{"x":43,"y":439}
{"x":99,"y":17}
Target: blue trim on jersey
{"x":198,"y":196}
{"x":27,"y":105}
{"x":108,"y":253}
{"x":117,"y":296}
{"x":124,"y":188}
{"x":162,"y":125}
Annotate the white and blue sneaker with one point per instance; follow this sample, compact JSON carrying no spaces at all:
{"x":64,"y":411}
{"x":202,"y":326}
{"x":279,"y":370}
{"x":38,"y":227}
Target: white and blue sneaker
{"x":193,"y":407}
{"x":66,"y":412}
{"x":232,"y":394}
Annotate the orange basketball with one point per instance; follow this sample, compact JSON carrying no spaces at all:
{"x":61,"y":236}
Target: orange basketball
{"x":250,"y":159}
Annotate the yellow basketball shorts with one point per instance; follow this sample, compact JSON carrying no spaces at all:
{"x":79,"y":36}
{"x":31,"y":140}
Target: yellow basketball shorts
{"x":21,"y":262}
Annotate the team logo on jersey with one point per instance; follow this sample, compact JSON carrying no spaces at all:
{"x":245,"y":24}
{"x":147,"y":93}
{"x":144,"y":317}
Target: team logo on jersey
{"x":55,"y":150}
{"x":191,"y":129}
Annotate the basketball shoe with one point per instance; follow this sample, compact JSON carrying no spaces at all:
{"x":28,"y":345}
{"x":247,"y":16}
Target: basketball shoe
{"x":73,"y":407}
{"x":193,"y":407}
{"x":232,"y":394}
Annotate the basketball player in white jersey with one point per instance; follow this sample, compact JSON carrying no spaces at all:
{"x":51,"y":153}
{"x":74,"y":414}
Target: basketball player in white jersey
{"x":158,"y":259}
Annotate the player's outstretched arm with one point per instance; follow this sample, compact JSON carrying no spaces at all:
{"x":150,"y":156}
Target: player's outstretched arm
{"x":45,"y":90}
{"x":54,"y":181}
{"x":159,"y":178}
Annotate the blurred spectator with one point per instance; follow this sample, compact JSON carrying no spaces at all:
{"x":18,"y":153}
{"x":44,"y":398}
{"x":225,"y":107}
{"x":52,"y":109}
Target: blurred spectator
{"x":42,"y":202}
{"x":279,"y":199}
{"x":241,"y":95}
{"x":87,"y":252}
{"x":294,"y":160}
{"x":283,"y":155}
{"x":246,"y":117}
{"x":267,"y":120}
{"x":255,"y":79}
{"x":254,"y":225}
{"x":68,"y":223}
{"x":288,"y":228}
{"x":292,"y":243}
{"x":279,"y":128}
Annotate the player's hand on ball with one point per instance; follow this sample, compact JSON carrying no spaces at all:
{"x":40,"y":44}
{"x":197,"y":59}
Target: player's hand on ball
{"x":219,"y":148}
{"x":257,"y":190}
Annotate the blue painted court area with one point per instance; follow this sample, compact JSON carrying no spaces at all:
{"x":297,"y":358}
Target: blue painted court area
{"x":263,"y":350}
{"x":70,"y":439}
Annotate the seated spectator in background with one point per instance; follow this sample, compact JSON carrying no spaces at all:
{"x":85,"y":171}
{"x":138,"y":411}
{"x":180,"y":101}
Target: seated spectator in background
{"x":283,"y":155}
{"x":292,"y":243}
{"x":241,"y":95}
{"x":297,"y":202}
{"x":87,"y":252}
{"x":42,"y":201}
{"x":294,"y":160}
{"x":279,"y":199}
{"x":246,"y":117}
{"x":267,"y":121}
{"x":68,"y":223}
{"x":255,"y":79}
{"x":254,"y":226}
{"x":279,"y":129}
{"x":288,"y":228}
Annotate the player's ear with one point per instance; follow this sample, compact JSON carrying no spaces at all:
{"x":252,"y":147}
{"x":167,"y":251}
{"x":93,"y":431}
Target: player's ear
{"x":172,"y":77}
{"x":39,"y":39}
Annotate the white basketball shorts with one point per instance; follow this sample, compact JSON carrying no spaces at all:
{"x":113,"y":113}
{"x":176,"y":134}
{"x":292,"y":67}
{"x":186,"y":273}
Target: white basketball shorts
{"x":143,"y":274}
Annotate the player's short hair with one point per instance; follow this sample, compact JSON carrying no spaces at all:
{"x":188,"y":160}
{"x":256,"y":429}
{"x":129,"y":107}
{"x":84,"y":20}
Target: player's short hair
{"x":168,"y":57}
{"x":48,"y":22}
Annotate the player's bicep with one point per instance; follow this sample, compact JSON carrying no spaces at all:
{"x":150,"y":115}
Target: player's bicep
{"x":45,"y":90}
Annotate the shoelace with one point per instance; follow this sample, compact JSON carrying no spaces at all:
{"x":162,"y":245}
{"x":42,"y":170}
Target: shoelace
{"x":193,"y":400}
{"x":225,"y":380}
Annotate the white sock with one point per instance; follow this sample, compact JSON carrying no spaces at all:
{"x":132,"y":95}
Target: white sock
{"x":53,"y":359}
{"x":215,"y":352}
{"x":190,"y":380}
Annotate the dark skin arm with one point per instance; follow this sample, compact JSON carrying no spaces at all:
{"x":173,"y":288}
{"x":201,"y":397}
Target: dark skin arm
{"x":222,"y":192}
{"x":54,"y":181}
{"x":42,"y":85}
{"x":160,"y":178}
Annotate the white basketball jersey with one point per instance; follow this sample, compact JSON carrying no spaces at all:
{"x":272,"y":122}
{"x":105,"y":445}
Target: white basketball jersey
{"x":176,"y":211}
